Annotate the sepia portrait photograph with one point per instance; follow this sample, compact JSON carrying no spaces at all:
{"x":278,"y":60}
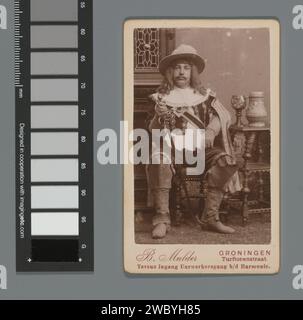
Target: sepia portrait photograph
{"x":201,"y":103}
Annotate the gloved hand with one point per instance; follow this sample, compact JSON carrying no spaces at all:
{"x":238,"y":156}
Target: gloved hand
{"x":161,"y":108}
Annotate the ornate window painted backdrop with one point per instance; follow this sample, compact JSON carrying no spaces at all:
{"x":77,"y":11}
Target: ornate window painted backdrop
{"x":147,"y":49}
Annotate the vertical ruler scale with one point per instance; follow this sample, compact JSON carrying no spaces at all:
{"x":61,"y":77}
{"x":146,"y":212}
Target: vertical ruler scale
{"x":54,"y":135}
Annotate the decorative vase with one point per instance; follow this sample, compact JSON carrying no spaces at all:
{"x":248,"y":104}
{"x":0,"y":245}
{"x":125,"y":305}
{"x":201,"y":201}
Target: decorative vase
{"x":256,"y":113}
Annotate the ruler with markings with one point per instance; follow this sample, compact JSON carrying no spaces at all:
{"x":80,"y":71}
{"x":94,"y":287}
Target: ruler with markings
{"x":54,"y":135}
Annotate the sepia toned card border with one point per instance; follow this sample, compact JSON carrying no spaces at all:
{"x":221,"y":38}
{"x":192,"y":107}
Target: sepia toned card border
{"x":207,"y":254}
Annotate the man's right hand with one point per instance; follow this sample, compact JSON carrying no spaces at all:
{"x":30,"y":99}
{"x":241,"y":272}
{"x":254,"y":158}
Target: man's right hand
{"x":161,"y":108}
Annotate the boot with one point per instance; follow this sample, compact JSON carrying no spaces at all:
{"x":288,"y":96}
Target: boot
{"x":160,"y":230}
{"x":211,"y":211}
{"x":217,"y":226}
{"x":161,"y":220}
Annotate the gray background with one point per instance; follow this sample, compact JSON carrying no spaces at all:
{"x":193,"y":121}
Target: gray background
{"x":109,"y":280}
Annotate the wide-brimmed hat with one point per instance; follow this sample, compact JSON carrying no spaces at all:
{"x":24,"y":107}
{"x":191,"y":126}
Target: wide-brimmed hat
{"x":184,"y":51}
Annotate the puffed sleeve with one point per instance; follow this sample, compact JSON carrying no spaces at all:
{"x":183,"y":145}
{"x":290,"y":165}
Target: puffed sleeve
{"x":214,"y":125}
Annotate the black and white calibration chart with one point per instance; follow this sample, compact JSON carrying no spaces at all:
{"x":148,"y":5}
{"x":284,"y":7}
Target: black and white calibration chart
{"x":54,"y":135}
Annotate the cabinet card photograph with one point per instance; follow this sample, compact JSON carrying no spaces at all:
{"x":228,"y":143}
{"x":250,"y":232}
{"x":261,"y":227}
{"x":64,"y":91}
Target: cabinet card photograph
{"x":201,"y":146}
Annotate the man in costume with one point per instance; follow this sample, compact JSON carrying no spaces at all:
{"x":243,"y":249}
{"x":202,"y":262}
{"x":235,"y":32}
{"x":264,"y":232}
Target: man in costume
{"x":181,"y":89}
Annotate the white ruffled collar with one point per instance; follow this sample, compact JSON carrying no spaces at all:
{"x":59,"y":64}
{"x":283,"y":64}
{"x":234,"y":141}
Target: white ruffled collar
{"x":182,"y":97}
